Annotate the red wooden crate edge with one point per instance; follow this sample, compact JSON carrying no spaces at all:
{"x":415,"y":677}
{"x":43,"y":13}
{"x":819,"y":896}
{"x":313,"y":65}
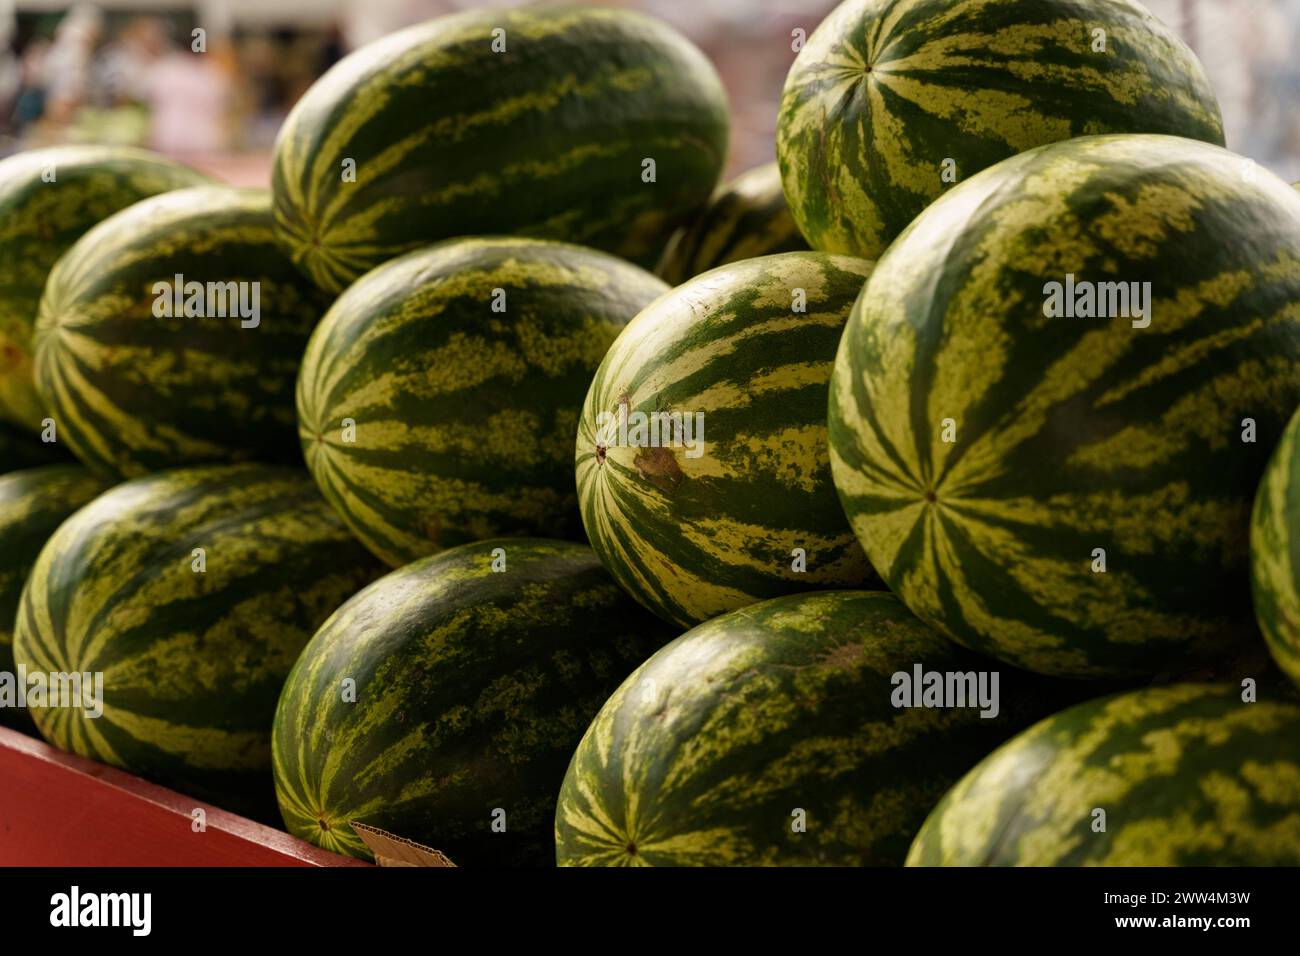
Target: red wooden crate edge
{"x":59,"y":809}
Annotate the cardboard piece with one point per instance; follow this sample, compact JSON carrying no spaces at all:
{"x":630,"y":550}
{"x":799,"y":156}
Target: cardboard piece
{"x":392,"y":850}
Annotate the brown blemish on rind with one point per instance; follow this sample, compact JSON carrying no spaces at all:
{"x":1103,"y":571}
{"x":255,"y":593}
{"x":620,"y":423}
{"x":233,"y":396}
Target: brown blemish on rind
{"x":660,"y":468}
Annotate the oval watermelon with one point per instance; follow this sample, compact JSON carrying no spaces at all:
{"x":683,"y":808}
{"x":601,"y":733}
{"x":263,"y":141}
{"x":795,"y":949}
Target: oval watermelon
{"x":191,"y":592}
{"x":139,"y":372}
{"x":890,"y":102}
{"x":1071,"y":493}
{"x":535,"y":122}
{"x":697,"y":522}
{"x":19,"y":448}
{"x":48,"y":199}
{"x":1187,"y":775}
{"x":439,"y":396}
{"x":1275,"y":552}
{"x":33,"y":503}
{"x":473,"y":675}
{"x":774,"y":735}
{"x":746,"y":218}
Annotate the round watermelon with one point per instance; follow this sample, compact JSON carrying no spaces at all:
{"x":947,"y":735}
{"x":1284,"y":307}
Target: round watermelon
{"x":701,"y":456}
{"x":1186,"y":775}
{"x":602,"y":127}
{"x":443,"y":702}
{"x":746,"y":218}
{"x":48,"y":199}
{"x":33,"y":503}
{"x":1275,"y":552}
{"x":890,"y":102}
{"x":1056,"y":396}
{"x":439,"y":396}
{"x":190,"y":594}
{"x":171,"y":334}
{"x":792,"y":732}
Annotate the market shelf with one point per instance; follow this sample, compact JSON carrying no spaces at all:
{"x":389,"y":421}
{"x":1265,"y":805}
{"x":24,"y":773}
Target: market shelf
{"x":58,"y":809}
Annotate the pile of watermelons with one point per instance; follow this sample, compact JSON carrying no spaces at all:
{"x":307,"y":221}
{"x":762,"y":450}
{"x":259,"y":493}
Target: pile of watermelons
{"x":1056,"y":326}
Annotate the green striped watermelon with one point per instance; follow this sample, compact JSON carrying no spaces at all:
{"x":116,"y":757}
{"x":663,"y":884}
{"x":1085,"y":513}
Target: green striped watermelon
{"x":19,"y":448}
{"x":891,"y":101}
{"x":474,"y":674}
{"x":192,"y":656}
{"x":692,"y":529}
{"x":134,"y":391}
{"x":33,"y":503}
{"x":987,"y":454}
{"x":1275,"y":552}
{"x":48,"y":199}
{"x":772,"y":735}
{"x":1187,"y":775}
{"x":461,"y":369}
{"x":436,"y":132}
{"x":746,"y":218}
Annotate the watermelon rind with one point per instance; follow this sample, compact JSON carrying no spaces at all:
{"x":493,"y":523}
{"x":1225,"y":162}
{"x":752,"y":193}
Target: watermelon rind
{"x":33,"y":503}
{"x":694,"y":528}
{"x":1072,"y":494}
{"x":443,"y":702}
{"x":891,"y":102}
{"x":1275,"y":552}
{"x":1186,"y":775}
{"x":439,"y":396}
{"x":746,"y":218}
{"x":139,"y":378}
{"x":775,"y":735}
{"x":601,"y":127}
{"x":49,"y":198}
{"x":190,"y":593}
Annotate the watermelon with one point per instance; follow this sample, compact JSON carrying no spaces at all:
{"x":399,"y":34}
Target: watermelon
{"x":40,"y":219}
{"x":136,"y":380}
{"x":1072,"y":494}
{"x":695,"y":522}
{"x":1275,"y":552}
{"x":892,"y":101}
{"x":191,"y":592}
{"x":535,"y":122}
{"x":33,"y":503}
{"x":21,"y":449}
{"x":774,"y":735}
{"x":1187,"y":775}
{"x":439,"y":396}
{"x":472,"y":675}
{"x":746,"y":218}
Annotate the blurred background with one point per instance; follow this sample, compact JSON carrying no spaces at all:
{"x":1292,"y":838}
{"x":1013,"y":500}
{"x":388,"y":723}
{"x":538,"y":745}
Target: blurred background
{"x":124,"y":71}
